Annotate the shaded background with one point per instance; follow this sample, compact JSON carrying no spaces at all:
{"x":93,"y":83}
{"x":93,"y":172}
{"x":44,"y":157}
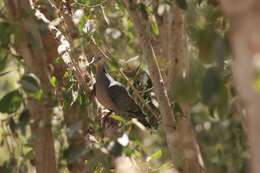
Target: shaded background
{"x":81,"y":143}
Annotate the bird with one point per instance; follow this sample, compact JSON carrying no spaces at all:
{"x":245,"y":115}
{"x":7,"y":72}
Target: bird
{"x":113,"y":95}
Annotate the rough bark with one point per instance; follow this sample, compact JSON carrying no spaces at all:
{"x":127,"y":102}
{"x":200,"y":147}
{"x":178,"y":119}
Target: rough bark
{"x":75,"y":117}
{"x":70,"y":32}
{"x":30,"y":45}
{"x":245,"y":41}
{"x":170,"y":45}
{"x":43,"y":143}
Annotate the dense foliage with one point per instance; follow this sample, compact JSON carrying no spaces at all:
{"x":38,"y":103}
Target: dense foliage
{"x":208,"y":87}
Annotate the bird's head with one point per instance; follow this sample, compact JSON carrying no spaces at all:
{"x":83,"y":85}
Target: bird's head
{"x":100,"y":61}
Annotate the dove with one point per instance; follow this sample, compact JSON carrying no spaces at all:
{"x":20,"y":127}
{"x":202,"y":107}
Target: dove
{"x":114,"y":96}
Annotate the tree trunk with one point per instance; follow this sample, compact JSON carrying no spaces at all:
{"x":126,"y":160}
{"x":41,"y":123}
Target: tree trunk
{"x":245,"y":41}
{"x":180,"y":138}
{"x":29,"y":44}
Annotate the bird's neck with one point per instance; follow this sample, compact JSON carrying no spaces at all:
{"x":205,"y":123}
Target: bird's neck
{"x":101,"y":68}
{"x":101,"y":71}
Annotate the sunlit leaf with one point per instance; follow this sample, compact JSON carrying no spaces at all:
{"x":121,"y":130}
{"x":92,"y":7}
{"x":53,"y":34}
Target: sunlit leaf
{"x":28,"y":153}
{"x":154,"y":156}
{"x":154,"y":28}
{"x":53,"y":81}
{"x":36,"y":95}
{"x":118,"y":118}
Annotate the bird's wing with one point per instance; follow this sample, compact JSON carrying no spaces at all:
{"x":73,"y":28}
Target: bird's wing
{"x":125,"y":103}
{"x":121,"y":98}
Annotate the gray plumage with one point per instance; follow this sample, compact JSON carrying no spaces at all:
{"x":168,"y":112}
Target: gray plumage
{"x":113,"y":96}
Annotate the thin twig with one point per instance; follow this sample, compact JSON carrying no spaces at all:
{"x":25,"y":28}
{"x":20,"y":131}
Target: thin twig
{"x":136,"y":92}
{"x":91,"y":6}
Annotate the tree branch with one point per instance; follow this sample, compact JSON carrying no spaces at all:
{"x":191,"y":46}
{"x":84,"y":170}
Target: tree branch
{"x":30,"y":46}
{"x":180,"y":138}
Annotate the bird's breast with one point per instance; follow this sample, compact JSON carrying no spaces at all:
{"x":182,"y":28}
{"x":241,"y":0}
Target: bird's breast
{"x":104,"y":99}
{"x":102,"y":93}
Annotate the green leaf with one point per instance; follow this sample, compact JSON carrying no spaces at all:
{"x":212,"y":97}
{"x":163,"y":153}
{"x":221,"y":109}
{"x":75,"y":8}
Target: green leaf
{"x":3,"y":60}
{"x":118,"y":118}
{"x":30,"y":83}
{"x":24,"y":117}
{"x":23,"y":121}
{"x":143,"y":10}
{"x":182,"y":4}
{"x":155,"y":155}
{"x":11,"y":102}
{"x":53,"y":81}
{"x":28,"y":153}
{"x":36,"y":95}
{"x":154,"y":28}
{"x":83,"y":100}
{"x":6,"y":30}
